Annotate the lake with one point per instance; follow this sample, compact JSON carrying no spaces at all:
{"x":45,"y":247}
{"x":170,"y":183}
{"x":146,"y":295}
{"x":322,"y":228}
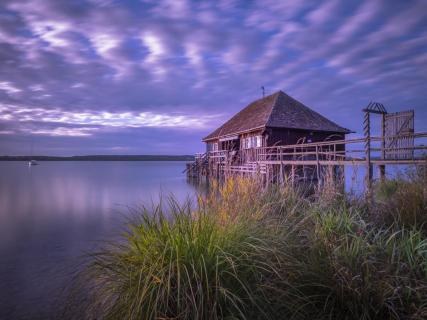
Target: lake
{"x":51,"y":214}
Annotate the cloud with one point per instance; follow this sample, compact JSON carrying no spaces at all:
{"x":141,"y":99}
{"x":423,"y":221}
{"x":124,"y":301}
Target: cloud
{"x":321,"y":14}
{"x":103,"y":43}
{"x":8,"y":132}
{"x":171,"y":9}
{"x":9,"y":88}
{"x":85,"y":69}
{"x":364,"y":15}
{"x":63,"y":131}
{"x":101,"y":119}
{"x":156,"y":51}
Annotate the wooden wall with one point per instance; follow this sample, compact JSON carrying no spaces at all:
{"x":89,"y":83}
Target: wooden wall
{"x":278,"y":137}
{"x":252,"y":134}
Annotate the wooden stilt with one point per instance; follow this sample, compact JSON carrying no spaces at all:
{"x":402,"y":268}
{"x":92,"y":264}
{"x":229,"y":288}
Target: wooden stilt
{"x":281,"y":173}
{"x":293,"y":175}
{"x":382,"y":172}
{"x":333,"y":176}
{"x":318,"y":167}
{"x":369,"y":171}
{"x":322,"y":160}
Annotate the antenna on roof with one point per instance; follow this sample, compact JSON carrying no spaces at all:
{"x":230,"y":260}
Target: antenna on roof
{"x":263,"y":91}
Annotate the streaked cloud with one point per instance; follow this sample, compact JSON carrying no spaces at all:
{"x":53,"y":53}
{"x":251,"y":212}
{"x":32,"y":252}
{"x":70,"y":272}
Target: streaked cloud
{"x":62,"y":131}
{"x":142,"y":69}
{"x":9,"y":88}
{"x":97,"y":120}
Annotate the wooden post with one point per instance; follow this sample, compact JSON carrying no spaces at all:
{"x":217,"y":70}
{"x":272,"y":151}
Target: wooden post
{"x":317,"y":166}
{"x":332,"y":181}
{"x":341,"y":170}
{"x":369,"y":172}
{"x":293,"y":175}
{"x":281,"y":166}
{"x":281,"y":173}
{"x":382,"y":166}
{"x":383,"y":136}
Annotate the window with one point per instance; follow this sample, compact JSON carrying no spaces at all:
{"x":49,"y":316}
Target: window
{"x":212,"y":146}
{"x":252,"y":142}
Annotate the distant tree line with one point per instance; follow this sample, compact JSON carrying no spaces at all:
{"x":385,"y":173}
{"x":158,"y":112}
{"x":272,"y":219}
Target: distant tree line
{"x":101,"y":158}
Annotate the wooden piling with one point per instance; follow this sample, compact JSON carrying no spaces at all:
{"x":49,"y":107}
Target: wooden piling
{"x":369,"y":171}
{"x":318,"y":167}
{"x":382,"y":172}
{"x":304,"y":161}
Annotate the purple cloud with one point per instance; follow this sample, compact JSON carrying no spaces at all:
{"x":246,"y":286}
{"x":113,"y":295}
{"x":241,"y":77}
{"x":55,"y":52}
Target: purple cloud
{"x":144,"y":73}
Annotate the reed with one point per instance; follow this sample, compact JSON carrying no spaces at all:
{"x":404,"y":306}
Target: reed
{"x":178,"y":263}
{"x":246,"y":252}
{"x":402,"y":202}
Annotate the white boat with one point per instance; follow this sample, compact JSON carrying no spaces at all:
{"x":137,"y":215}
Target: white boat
{"x":32,"y":163}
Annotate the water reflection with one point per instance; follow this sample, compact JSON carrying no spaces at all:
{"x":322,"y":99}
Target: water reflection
{"x":52,"y":213}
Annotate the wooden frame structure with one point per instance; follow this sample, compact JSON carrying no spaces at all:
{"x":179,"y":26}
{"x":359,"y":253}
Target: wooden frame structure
{"x":311,"y":162}
{"x":273,"y":164}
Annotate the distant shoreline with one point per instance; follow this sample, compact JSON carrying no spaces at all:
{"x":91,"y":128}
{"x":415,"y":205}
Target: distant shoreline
{"x":101,"y":158}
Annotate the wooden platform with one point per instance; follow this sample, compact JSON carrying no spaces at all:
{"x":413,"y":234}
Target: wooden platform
{"x":309,"y":161}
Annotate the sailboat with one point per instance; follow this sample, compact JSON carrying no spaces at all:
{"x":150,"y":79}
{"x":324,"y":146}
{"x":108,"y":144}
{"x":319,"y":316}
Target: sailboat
{"x":32,"y":162}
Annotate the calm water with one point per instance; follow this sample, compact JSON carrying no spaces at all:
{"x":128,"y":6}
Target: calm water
{"x":51,"y":214}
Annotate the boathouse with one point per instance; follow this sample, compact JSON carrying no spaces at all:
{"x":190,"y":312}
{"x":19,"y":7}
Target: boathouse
{"x":278,"y":137}
{"x":254,"y":141}
{"x":274,"y":120}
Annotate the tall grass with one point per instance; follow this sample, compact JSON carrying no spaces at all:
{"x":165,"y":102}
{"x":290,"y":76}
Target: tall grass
{"x":178,"y":263}
{"x":246,"y":252}
{"x":403,"y":201}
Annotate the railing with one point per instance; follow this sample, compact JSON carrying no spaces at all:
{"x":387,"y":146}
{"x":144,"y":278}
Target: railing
{"x":338,"y":150}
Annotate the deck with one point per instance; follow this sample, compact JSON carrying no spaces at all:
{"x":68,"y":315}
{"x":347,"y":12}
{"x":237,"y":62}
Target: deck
{"x":310,"y":161}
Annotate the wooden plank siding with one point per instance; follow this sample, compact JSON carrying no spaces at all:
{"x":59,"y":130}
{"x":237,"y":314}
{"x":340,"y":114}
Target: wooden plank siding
{"x":280,"y":136}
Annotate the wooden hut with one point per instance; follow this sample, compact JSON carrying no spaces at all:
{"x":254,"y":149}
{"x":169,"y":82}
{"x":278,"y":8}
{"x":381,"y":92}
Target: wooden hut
{"x":274,"y":120}
{"x":278,"y":137}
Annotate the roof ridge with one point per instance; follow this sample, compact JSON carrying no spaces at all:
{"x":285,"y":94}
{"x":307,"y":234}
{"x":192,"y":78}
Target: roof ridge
{"x":274,"y":105}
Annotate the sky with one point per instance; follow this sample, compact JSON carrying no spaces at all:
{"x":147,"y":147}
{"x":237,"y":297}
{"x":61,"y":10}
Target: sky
{"x":154,"y":77}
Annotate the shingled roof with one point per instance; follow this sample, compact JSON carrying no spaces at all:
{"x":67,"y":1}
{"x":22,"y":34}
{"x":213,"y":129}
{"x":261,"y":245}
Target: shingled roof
{"x":276,"y":111}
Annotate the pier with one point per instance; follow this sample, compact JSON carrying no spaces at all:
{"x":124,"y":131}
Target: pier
{"x":306,"y":161}
{"x":317,"y":162}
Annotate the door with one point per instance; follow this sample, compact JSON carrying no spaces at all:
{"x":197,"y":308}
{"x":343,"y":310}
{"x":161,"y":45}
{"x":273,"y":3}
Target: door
{"x":398,"y":135}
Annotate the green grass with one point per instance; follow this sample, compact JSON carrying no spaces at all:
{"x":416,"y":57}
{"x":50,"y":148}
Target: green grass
{"x":183,"y":264}
{"x":244,"y":252}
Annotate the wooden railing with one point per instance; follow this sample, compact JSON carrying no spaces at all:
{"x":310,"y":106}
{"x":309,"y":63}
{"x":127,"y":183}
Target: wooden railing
{"x":338,"y":150}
